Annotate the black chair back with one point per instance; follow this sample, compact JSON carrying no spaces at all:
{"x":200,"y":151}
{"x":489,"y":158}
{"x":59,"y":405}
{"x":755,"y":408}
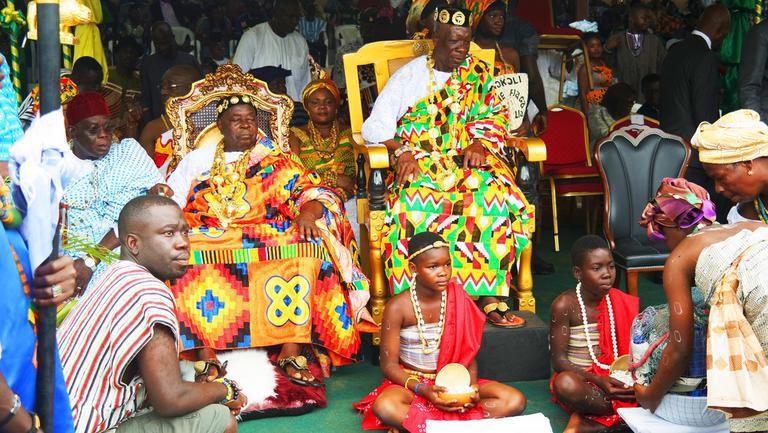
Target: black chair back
{"x":632,"y":162}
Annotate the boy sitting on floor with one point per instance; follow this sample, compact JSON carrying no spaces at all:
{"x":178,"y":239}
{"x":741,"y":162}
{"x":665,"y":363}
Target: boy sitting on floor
{"x":590,"y":328}
{"x":432,"y":324}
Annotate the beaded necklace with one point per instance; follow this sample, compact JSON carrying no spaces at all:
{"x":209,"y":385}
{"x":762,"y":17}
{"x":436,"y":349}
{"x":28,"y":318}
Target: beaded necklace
{"x":325,"y":147}
{"x":93,"y":180}
{"x":760,"y":208}
{"x":586,"y":333}
{"x":427,"y":347}
{"x":445,"y":175}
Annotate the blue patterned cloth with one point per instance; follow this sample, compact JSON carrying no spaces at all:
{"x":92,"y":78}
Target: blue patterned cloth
{"x":17,"y":336}
{"x":96,"y":198}
{"x":10,"y":126}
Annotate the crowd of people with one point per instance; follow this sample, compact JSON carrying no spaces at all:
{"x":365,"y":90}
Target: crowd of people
{"x":182,"y":280}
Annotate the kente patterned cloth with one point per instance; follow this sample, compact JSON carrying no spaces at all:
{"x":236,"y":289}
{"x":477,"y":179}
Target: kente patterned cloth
{"x":480,"y":211}
{"x":164,"y":152}
{"x":733,"y":275}
{"x":625,"y":308}
{"x":341,"y":162}
{"x":477,"y":9}
{"x":256,"y":283}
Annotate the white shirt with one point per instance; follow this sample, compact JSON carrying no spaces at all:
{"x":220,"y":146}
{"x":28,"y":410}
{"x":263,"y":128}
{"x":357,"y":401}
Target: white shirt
{"x":404,"y":88}
{"x":703,"y":36}
{"x":260,"y":46}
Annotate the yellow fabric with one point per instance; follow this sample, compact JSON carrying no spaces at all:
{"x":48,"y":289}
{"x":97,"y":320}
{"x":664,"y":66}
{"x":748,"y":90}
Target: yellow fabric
{"x":89,"y":38}
{"x":322,"y":83}
{"x":737,"y":136}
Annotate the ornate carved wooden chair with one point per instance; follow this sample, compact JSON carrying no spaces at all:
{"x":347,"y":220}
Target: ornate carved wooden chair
{"x":193,"y":116}
{"x":373,"y":164}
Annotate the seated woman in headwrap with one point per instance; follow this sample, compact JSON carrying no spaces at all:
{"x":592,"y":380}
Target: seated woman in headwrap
{"x":325,"y":146}
{"x":733,"y":152}
{"x":729,"y":264}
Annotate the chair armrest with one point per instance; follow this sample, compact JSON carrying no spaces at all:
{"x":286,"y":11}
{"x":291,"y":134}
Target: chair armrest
{"x":533,"y":148}
{"x":377,"y":155}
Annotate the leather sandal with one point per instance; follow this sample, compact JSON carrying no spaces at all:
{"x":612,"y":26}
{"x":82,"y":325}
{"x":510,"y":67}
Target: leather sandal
{"x":501,"y":308}
{"x":298,"y":363}
{"x":210,"y":370}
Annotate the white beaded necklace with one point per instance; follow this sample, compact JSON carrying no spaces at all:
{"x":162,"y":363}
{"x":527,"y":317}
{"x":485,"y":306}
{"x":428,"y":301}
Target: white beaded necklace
{"x":427,"y":348}
{"x":586,"y":332}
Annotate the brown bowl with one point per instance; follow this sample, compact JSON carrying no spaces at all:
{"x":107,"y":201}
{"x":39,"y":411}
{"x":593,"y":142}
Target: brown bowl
{"x":461,"y":398}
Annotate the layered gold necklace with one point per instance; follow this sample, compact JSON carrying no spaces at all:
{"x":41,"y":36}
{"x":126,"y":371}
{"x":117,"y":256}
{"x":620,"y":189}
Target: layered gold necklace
{"x":446,"y":175}
{"x":227,"y":198}
{"x":325,"y":147}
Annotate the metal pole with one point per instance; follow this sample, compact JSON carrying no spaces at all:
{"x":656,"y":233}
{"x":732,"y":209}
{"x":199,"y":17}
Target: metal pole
{"x":49,"y":59}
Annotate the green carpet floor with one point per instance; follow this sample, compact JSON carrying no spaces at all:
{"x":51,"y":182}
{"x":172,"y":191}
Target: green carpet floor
{"x":350,"y":383}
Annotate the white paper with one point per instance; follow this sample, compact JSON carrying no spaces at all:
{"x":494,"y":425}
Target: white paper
{"x":534,"y":423}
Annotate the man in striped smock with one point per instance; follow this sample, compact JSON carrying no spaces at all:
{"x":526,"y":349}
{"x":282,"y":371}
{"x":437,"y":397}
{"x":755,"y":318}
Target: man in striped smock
{"x":119,"y":345}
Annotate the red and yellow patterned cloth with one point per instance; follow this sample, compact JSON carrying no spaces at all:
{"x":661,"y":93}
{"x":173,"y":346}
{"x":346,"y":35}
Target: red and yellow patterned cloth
{"x":256,"y":283}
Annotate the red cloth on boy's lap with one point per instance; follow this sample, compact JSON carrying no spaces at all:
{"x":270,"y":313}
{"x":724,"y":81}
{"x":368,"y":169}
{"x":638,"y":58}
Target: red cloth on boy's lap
{"x":462,"y":335}
{"x":625,"y":308}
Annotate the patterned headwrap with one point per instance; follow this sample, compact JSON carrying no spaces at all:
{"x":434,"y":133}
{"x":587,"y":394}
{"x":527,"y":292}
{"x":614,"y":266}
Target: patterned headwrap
{"x":228,"y":102}
{"x":85,"y":105}
{"x":678,"y":203}
{"x":322,"y":83}
{"x":737,"y":136}
{"x":479,"y":7}
{"x":423,"y":242}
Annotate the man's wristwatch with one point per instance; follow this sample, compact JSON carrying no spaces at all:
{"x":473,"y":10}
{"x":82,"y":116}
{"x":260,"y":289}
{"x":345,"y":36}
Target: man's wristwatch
{"x":90,"y":262}
{"x":35,"y":423}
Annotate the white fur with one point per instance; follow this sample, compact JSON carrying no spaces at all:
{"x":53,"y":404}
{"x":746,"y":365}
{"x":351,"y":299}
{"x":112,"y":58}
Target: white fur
{"x":251,"y":369}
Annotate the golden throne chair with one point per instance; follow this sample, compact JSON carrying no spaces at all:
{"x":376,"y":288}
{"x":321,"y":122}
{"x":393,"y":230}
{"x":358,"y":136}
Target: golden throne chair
{"x":373,"y":164}
{"x":193,"y":116}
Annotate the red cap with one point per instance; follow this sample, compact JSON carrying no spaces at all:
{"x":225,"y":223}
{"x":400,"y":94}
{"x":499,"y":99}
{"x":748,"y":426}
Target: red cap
{"x":85,"y":105}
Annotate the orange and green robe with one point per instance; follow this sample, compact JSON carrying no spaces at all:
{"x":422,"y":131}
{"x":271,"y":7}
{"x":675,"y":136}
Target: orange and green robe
{"x":255,"y":282}
{"x":480,"y":211}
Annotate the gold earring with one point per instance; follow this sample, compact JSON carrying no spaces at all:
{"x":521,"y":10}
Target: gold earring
{"x":749,"y":172}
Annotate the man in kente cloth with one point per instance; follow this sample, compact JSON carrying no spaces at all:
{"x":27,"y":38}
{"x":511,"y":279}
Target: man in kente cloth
{"x":439,"y":117}
{"x":272,"y":261}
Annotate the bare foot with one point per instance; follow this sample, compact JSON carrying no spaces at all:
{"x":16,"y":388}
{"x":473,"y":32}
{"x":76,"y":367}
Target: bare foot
{"x":393,"y":430}
{"x":579,"y":424}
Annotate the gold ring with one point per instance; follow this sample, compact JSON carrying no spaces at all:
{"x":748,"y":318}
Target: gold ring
{"x":55,"y":290}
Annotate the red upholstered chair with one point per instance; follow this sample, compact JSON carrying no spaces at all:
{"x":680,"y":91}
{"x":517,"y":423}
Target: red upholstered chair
{"x":634,"y":120}
{"x":539,"y":13}
{"x":568,"y":167}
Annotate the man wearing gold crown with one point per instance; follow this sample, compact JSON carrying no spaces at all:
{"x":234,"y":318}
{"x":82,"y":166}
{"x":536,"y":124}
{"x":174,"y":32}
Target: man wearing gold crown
{"x":439,"y":117}
{"x":270,"y":261}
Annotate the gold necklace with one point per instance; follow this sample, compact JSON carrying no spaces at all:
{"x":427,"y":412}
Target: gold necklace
{"x":446,"y":175}
{"x":326,"y":147}
{"x":420,"y":325}
{"x":228,"y":186}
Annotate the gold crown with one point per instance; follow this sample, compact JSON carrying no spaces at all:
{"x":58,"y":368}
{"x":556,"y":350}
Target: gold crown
{"x":453,"y":16}
{"x":230,"y":101}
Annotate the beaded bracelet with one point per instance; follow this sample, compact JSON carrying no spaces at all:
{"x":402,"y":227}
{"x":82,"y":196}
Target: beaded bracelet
{"x":401,"y":150}
{"x":232,"y":390}
{"x":331,"y":179}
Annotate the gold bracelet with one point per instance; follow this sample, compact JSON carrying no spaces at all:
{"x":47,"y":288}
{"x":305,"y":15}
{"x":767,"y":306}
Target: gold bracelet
{"x":331,"y":179}
{"x":414,"y":377}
